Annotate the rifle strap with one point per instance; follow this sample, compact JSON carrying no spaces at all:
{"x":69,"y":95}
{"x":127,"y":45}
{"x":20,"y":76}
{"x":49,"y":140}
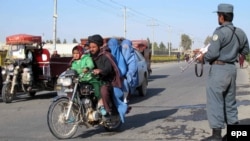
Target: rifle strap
{"x":201,"y":71}
{"x":196,"y":69}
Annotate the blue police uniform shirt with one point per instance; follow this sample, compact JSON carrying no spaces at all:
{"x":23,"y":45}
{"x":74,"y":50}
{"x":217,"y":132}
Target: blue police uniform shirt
{"x":225,"y":46}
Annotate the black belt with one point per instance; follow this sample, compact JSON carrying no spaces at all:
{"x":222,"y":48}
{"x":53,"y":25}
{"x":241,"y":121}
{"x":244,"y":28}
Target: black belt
{"x":218,"y":62}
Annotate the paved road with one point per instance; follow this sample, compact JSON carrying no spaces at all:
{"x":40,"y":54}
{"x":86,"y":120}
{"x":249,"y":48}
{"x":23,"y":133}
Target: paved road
{"x":173,"y":109}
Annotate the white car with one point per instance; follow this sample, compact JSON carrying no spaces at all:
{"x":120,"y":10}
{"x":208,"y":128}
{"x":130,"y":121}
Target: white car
{"x":142,"y":73}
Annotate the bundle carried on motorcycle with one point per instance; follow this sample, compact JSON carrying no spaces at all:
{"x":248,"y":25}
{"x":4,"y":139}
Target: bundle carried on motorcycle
{"x":140,"y":45}
{"x":23,"y":39}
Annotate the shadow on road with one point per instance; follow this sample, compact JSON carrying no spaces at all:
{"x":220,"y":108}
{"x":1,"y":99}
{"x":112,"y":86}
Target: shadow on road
{"x":245,"y":121}
{"x":242,"y":86}
{"x":135,"y":98}
{"x":22,"y":97}
{"x":241,"y":93}
{"x":153,"y":77}
{"x":131,"y":122}
{"x":140,"y":120}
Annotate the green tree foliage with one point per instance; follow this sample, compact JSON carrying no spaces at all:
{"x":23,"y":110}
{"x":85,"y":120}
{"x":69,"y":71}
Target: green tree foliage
{"x":186,"y":42}
{"x":74,"y":40}
{"x":162,"y":46}
{"x":208,"y":39}
{"x":155,"y":45}
{"x":58,"y":41}
{"x":64,"y":41}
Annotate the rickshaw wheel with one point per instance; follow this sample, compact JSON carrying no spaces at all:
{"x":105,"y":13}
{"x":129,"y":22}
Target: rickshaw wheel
{"x":6,"y":95}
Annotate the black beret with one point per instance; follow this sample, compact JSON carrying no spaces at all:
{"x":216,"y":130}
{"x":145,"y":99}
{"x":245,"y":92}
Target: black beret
{"x":96,"y":39}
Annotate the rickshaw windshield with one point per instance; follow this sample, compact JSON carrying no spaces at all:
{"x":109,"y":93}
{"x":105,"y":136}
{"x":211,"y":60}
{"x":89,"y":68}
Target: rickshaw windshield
{"x":17,"y":52}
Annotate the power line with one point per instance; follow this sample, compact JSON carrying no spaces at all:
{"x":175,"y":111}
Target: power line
{"x":106,"y":9}
{"x":161,"y":24}
{"x":109,"y":5}
{"x":112,"y":4}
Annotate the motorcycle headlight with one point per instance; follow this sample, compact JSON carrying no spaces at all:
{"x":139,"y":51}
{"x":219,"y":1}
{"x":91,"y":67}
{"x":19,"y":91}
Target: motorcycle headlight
{"x":10,"y":67}
{"x":3,"y":71}
{"x":66,"y":81}
{"x":59,"y":81}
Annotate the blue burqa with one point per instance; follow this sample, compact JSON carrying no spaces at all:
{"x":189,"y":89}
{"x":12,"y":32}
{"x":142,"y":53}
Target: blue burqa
{"x":132,"y":80}
{"x":115,"y":49}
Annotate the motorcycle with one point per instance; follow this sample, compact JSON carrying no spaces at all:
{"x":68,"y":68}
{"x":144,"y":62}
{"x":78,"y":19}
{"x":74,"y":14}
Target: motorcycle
{"x":17,"y":74}
{"x":76,"y":106}
{"x":28,"y":67}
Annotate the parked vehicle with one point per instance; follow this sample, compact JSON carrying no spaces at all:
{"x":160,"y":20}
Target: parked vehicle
{"x":28,"y":67}
{"x":78,"y":106}
{"x":143,"y":47}
{"x":142,"y":73}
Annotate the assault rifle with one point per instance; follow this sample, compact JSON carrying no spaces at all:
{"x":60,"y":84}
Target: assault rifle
{"x":193,"y":59}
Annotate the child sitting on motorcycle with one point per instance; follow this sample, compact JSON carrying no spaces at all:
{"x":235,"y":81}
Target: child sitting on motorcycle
{"x":83,"y":64}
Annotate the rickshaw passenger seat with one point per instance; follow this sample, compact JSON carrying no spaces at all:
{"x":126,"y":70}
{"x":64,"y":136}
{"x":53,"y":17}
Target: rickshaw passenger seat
{"x":43,"y":58}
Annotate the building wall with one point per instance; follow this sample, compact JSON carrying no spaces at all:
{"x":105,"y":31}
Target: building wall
{"x":62,"y":49}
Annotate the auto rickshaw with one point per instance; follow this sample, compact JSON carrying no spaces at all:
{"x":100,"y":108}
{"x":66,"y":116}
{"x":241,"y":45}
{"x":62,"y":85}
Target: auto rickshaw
{"x":28,"y":67}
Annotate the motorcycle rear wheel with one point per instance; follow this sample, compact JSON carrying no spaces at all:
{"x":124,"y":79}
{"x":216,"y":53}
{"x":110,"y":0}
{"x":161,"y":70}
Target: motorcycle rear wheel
{"x":6,"y":95}
{"x":58,"y":125}
{"x":114,"y":124}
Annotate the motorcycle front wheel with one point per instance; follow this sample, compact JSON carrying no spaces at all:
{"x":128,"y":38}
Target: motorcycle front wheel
{"x":6,"y":95}
{"x":56,"y":119}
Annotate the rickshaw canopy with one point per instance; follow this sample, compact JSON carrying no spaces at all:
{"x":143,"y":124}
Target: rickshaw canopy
{"x":23,"y":39}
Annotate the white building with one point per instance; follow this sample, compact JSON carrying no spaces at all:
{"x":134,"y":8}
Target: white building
{"x":62,"y":49}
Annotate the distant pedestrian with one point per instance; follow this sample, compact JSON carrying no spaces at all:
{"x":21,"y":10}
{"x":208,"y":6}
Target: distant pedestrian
{"x":186,"y":56}
{"x":241,"y":60}
{"x":55,"y":54}
{"x":178,"y":56}
{"x":227,"y":42}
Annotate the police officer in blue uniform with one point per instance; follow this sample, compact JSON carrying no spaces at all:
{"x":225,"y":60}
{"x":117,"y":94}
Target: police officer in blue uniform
{"x":227,"y":43}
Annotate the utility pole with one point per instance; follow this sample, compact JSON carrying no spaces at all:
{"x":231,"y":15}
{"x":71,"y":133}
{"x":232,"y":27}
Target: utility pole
{"x":170,"y":44}
{"x":125,"y":22}
{"x":55,"y":20}
{"x":192,"y":42}
{"x":153,"y":29}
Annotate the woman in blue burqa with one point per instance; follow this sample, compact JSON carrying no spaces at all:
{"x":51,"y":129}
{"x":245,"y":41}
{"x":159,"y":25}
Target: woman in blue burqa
{"x":115,"y":49}
{"x":132,"y":78}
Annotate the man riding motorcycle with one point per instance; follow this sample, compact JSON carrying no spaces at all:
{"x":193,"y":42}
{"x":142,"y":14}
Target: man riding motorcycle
{"x":106,"y":68}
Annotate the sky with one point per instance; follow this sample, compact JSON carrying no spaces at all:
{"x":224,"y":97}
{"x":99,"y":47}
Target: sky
{"x":159,"y":20}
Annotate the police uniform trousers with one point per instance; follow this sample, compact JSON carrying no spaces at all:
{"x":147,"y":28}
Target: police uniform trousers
{"x":221,"y":95}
